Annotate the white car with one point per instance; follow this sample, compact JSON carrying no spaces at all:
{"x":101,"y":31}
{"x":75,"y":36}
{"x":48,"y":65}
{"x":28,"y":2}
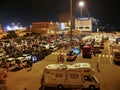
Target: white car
{"x":11,"y":61}
{"x":27,"y":56}
{"x":53,"y":48}
{"x":44,"y":44}
{"x":21,"y":62}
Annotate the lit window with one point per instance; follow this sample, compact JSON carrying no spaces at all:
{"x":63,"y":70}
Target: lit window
{"x":80,"y":27}
{"x":86,"y":27}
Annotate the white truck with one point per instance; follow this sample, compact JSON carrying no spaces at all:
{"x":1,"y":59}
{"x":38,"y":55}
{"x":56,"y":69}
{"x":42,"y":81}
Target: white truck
{"x":75,"y":76}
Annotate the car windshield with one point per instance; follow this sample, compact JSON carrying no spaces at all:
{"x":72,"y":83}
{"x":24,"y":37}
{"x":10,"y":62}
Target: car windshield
{"x":70,"y":53}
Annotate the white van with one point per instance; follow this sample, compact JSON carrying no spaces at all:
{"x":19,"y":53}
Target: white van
{"x":78,"y":75}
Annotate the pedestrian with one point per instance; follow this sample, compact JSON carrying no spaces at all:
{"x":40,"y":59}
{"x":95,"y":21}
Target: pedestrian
{"x":7,"y":66}
{"x":31,"y":64}
{"x":62,"y":58}
{"x":98,"y":69}
{"x":5,"y":73}
{"x":94,"y":52}
{"x":58,"y":58}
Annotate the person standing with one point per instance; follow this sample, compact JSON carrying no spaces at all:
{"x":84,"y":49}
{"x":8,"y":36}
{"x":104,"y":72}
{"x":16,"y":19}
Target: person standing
{"x":62,"y":58}
{"x":7,"y":66}
{"x":58,"y":58}
{"x":94,"y":52}
{"x":31,"y":64}
{"x":98,"y":69}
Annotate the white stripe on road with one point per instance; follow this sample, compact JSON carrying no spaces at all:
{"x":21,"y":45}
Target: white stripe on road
{"x":99,"y":58}
{"x":103,"y":55}
{"x":57,"y":53}
{"x":99,"y":55}
{"x":52,"y":53}
{"x":106,"y":55}
{"x":111,"y":56}
{"x":64,"y":53}
{"x":109,"y":52}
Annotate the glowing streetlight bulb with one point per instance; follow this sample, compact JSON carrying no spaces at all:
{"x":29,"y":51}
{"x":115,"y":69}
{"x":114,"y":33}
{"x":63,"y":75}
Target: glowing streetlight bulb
{"x":81,"y":3}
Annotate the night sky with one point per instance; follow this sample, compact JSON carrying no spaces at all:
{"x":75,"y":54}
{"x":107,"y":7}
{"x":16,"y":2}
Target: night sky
{"x":28,"y":11}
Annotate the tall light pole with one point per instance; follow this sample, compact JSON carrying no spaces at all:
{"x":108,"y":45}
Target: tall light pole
{"x":70,"y":23}
{"x":81,"y":4}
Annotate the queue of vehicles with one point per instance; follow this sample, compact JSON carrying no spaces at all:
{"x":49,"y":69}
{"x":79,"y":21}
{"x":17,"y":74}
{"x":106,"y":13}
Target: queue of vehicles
{"x":114,"y":41}
{"x":16,"y":53}
{"x":58,"y":75}
{"x":77,"y":75}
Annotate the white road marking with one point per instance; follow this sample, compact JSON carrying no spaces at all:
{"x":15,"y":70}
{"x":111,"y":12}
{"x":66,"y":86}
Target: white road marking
{"x":99,"y":58}
{"x":99,"y":55}
{"x":111,"y":56}
{"x":103,"y":55}
{"x":106,"y":55}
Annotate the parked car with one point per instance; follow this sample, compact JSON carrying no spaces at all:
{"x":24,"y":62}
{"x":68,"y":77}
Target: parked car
{"x":37,"y":56}
{"x":71,"y":56}
{"x":53,"y":48}
{"x":10,"y":61}
{"x":21,"y":62}
{"x":27,"y":56}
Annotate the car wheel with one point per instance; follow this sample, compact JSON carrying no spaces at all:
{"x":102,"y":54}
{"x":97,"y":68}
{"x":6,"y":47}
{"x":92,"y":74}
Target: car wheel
{"x":60,"y":87}
{"x":92,"y":87}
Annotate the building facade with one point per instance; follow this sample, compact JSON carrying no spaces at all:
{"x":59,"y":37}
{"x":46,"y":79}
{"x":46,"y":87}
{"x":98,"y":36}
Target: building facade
{"x":44,"y":27}
{"x":65,"y":18}
{"x":86,"y":24}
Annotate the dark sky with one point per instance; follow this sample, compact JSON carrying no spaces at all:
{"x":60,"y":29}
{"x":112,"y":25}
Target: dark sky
{"x":28,"y":11}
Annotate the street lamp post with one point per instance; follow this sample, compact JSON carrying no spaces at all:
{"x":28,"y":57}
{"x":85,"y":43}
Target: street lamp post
{"x":81,"y":4}
{"x":70,"y":23}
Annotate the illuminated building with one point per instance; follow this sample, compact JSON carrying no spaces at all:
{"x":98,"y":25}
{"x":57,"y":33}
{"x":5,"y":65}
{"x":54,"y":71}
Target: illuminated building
{"x":86,"y":24}
{"x":15,"y":27}
{"x":44,"y":27}
{"x":2,"y":33}
{"x":1,"y":29}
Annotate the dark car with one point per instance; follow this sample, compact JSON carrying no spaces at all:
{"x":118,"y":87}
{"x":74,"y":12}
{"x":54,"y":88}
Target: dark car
{"x":37,"y":56}
{"x":71,"y":56}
